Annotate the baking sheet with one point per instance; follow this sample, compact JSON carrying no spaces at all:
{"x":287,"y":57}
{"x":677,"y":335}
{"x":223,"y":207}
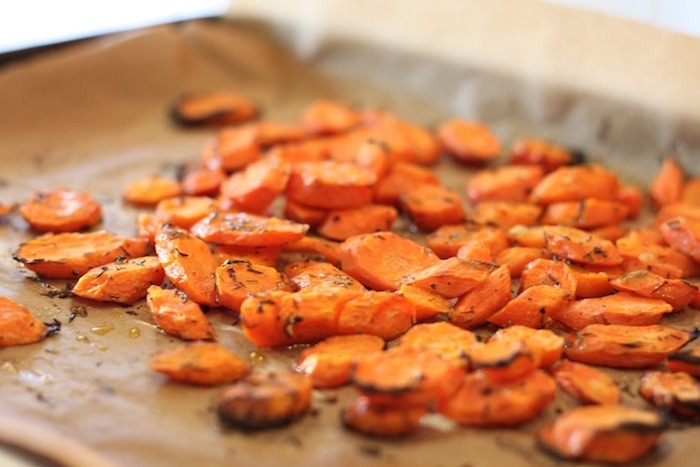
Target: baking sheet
{"x":93,"y":116}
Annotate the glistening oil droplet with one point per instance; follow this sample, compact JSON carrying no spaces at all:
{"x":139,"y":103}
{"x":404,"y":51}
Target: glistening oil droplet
{"x":256,"y":358}
{"x":101,"y":330}
{"x":134,"y":333}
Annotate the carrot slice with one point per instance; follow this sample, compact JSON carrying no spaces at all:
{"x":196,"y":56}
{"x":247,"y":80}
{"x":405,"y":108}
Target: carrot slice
{"x":683,"y":234}
{"x":381,"y":260}
{"x":148,"y":226}
{"x":345,"y":223}
{"x":70,"y":255}
{"x":444,"y":339}
{"x":691,"y":192}
{"x":611,"y":232}
{"x":271,"y":133}
{"x":202,"y":182}
{"x":621,"y":346}
{"x":200,"y":363}
{"x":686,"y":360}
{"x":232,"y":149}
{"x":476,"y":307}
{"x":481,"y":402}
{"x":184,"y":211}
{"x":375,"y":156}
{"x":243,"y":229}
{"x":255,"y":188}
{"x":265,"y":255}
{"x":327,"y":117}
{"x":18,"y":326}
{"x":632,"y":197}
{"x":505,"y":214}
{"x":531,"y":307}
{"x":330,"y":362}
{"x":503,"y":360}
{"x":188,"y":264}
{"x":587,"y":213}
{"x":150,"y":190}
{"x":448,"y":239}
{"x":667,"y":185}
{"x":475,"y":250}
{"x":177,"y":315}
{"x":238,"y":279}
{"x":677,"y":391}
{"x":331,"y":185}
{"x":362,"y":416}
{"x":531,"y":237}
{"x":593,"y":281}
{"x":468,"y":141}
{"x":213,"y":108}
{"x":580,"y":246}
{"x":6,"y":209}
{"x":123,"y":281}
{"x":428,"y":304}
{"x":621,"y":308}
{"x":430,"y":207}
{"x":265,"y":400}
{"x":61,"y":210}
{"x":548,"y":272}
{"x":508,"y":183}
{"x":586,"y":384}
{"x":549,"y":156}
{"x":673,"y":210}
{"x":261,"y":321}
{"x":677,"y":293}
{"x":320,"y":275}
{"x":401,"y":178}
{"x":327,"y":249}
{"x":452,"y":277}
{"x":517,"y":257}
{"x":576,"y":183}
{"x":641,"y":252}
{"x":603,"y":433}
{"x":382,"y":314}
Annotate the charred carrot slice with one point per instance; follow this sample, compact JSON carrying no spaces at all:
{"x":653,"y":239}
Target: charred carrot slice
{"x":517,"y":257}
{"x":481,"y":402}
{"x":265,"y":400}
{"x":200,"y":363}
{"x":603,"y":433}
{"x":327,"y":117}
{"x":428,"y":304}
{"x":243,"y":229}
{"x":331,"y":185}
{"x":238,"y":279}
{"x":683,"y":234}
{"x":444,"y":339}
{"x":686,"y":360}
{"x":401,"y":178}
{"x":149,"y":191}
{"x":188,"y":264}
{"x":677,"y":391}
{"x":507,"y":183}
{"x":177,"y":315}
{"x":677,"y":293}
{"x":621,"y":308}
{"x":231,"y":149}
{"x":213,"y":108}
{"x":255,"y":188}
{"x":265,"y":255}
{"x":468,"y":141}
{"x":549,"y":156}
{"x":327,"y":249}
{"x":548,"y":272}
{"x":430,"y":207}
{"x":667,"y":185}
{"x":320,"y":275}
{"x":403,"y":377}
{"x":580,"y":246}
{"x":576,"y":183}
{"x":382,"y":314}
{"x":587,"y":213}
{"x":18,"y":326}
{"x":543,"y":344}
{"x":447,"y":240}
{"x":61,"y":210}
{"x":202,"y":182}
{"x":505,"y":214}
{"x":381,"y":260}
{"x":184,"y":211}
{"x":452,"y":277}
{"x":123,"y":281}
{"x":362,"y":416}
{"x":70,"y":255}
{"x":476,"y":307}
{"x":503,"y":360}
{"x":586,"y":384}
{"x":345,"y":223}
{"x":330,"y":362}
{"x":531,"y":307}
{"x":621,"y":346}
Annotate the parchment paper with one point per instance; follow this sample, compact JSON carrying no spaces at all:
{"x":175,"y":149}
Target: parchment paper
{"x":93,"y":116}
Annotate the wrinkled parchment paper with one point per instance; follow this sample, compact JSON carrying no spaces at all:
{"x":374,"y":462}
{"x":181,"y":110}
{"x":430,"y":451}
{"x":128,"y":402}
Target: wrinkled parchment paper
{"x":93,"y":116}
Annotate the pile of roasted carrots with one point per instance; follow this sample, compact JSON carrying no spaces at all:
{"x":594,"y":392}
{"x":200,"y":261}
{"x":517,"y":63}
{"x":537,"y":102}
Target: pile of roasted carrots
{"x":289,"y":226}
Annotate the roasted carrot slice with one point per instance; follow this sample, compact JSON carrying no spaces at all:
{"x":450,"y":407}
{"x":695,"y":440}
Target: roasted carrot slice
{"x":517,"y":257}
{"x":61,"y":210}
{"x":476,"y":307}
{"x":543,"y":344}
{"x":148,"y":226}
{"x":232,"y":149}
{"x":621,"y":346}
{"x":586,"y":213}
{"x":508,"y":183}
{"x":362,"y":416}
{"x":327,"y":117}
{"x":431,"y":206}
{"x":345,"y":223}
{"x":123,"y":281}
{"x":255,"y":188}
{"x":18,"y":326}
{"x":265,"y":255}
{"x":678,"y":391}
{"x":475,"y":250}
{"x":265,"y":400}
{"x":603,"y":433}
{"x":202,"y":182}
{"x":611,"y":232}
{"x":320,"y":275}
{"x":70,"y":255}
{"x":503,"y":360}
{"x":677,"y":293}
{"x":683,"y":234}
{"x":452,"y":277}
{"x":531,"y":237}
{"x":505,"y":214}
{"x":548,"y":272}
{"x":243,"y":229}
{"x":447,"y":240}
{"x":586,"y":384}
{"x":632,"y":197}
{"x":304,"y":214}
{"x":327,"y":249}
{"x":381,"y":260}
{"x":531,"y":307}
{"x":383,"y":314}
{"x":621,"y":308}
{"x":444,"y":339}
{"x":686,"y":360}
{"x":580,"y":246}
{"x":549,"y":156}
{"x":481,"y":402}
{"x":404,"y":377}
{"x":673,"y":210}
{"x":177,"y":315}
{"x":238,"y":279}
{"x":309,"y":150}
{"x":401,"y":178}
{"x":641,"y":252}
{"x":691,"y":192}
{"x":188,"y":264}
{"x":150,"y":190}
{"x":213,"y":108}
{"x":330,"y":362}
{"x":426,"y":147}
{"x":271,"y":133}
{"x":667,"y":185}
{"x":594,"y":281}
{"x":374,"y":155}
{"x":428,"y":304}
{"x":200,"y":363}
{"x":576,"y":183}
{"x":261,"y":321}
{"x":184,"y":211}
{"x":468,"y":141}
{"x":331,"y":185}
